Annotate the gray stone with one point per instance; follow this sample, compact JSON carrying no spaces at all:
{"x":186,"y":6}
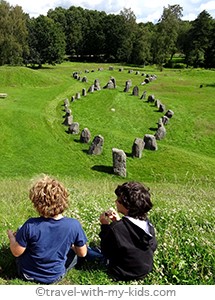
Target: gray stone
{"x":150,"y":142}
{"x":68,"y":120}
{"x":119,"y":162}
{"x":91,"y":89}
{"x":84,"y":79}
{"x":161,"y":108}
{"x":109,"y":85}
{"x":165,"y":120}
{"x":137,"y":148}
{"x":135,"y":91}
{"x":157,"y":103}
{"x":85,"y":136}
{"x":151,"y":98}
{"x":143,"y":95}
{"x":66,"y":102}
{"x":84,"y":92}
{"x":161,"y":132}
{"x":96,"y":147}
{"x":169,"y":114}
{"x":97,"y":85}
{"x":72,"y":98}
{"x":74,"y":128}
{"x":128,"y":84}
{"x":77,"y":96}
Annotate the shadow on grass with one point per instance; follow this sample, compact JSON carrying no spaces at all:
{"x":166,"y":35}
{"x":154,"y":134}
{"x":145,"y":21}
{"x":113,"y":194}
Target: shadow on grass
{"x":7,"y":263}
{"x":103,"y":169}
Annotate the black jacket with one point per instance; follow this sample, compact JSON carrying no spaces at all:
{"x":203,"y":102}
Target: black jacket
{"x":128,"y":248}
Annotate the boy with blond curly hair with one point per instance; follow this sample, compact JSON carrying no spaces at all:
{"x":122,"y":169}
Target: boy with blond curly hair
{"x":46,"y":247}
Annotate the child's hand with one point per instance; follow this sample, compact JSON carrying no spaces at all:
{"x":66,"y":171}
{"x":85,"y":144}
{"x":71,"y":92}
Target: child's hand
{"x":112,"y":214}
{"x":104,"y":219}
{"x":11,"y":234}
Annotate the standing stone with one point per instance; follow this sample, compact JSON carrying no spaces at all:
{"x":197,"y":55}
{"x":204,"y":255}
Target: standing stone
{"x":135,"y":91}
{"x":97,"y":145}
{"x":84,"y":92}
{"x":114,"y":81}
{"x":74,"y":128}
{"x":127,"y":86}
{"x":66,"y":102}
{"x":85,"y":136}
{"x":161,"y":132}
{"x":143,"y":95}
{"x":84,"y":79}
{"x":111,"y":68}
{"x":77,"y":96}
{"x":72,"y":98}
{"x":119,"y":162}
{"x":109,"y":85}
{"x":161,"y":108}
{"x":137,"y":148}
{"x":157,"y":103}
{"x":150,"y":142}
{"x":91,"y":89}
{"x":68,"y":120}
{"x":165,"y":120}
{"x":151,"y":98}
{"x":97,"y":85}
{"x":169,"y":114}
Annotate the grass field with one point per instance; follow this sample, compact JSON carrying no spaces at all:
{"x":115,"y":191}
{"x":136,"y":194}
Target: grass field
{"x":180,"y":174}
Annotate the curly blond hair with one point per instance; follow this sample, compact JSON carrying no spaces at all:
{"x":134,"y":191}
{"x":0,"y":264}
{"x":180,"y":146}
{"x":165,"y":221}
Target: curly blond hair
{"x":49,"y":196}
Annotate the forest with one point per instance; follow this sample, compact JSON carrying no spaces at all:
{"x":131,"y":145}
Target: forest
{"x":78,"y":34}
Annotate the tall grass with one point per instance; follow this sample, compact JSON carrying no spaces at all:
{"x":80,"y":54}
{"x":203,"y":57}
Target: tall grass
{"x":180,"y":174}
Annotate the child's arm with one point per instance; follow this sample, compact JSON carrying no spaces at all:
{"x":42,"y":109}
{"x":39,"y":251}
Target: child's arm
{"x":80,"y":251}
{"x":15,"y":248}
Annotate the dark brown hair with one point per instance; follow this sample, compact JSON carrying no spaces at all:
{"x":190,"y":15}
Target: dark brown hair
{"x":136,"y":198}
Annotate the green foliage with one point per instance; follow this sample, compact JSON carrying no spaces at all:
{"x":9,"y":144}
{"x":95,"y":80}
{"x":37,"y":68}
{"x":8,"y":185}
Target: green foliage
{"x":180,"y":173}
{"x":13,"y":34}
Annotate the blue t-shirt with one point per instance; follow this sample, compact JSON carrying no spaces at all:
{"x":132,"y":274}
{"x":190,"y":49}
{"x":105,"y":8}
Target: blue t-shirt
{"x":47,"y":242}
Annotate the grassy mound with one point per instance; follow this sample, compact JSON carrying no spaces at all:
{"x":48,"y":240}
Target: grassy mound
{"x":180,"y":173}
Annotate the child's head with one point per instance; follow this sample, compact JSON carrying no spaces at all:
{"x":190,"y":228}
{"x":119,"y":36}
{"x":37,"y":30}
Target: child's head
{"x":50,"y":198}
{"x":135,"y":198}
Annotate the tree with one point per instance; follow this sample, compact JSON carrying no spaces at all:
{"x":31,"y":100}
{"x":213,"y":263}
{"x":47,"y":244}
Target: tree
{"x":165,"y":41}
{"x":46,"y":42}
{"x":199,"y":40}
{"x":13,"y":34}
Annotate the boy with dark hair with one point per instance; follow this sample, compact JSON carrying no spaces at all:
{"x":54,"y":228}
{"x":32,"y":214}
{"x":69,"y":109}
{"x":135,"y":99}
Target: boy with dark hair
{"x":129,"y":243}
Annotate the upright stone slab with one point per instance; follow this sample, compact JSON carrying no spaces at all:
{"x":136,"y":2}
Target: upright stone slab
{"x":161,"y":132}
{"x":97,"y":85}
{"x":119,"y":162}
{"x":165,"y":120}
{"x":68,"y":120}
{"x":77,"y":96}
{"x":84,"y":92}
{"x":137,"y":148}
{"x":169,"y":114}
{"x":150,"y":142}
{"x":84,"y":79}
{"x":85,"y":136}
{"x":74,"y":128}
{"x":157,"y":103}
{"x":143,"y":95}
{"x":161,"y":108}
{"x":127,"y":86}
{"x":114,"y":81}
{"x":135,"y":91}
{"x":91,"y":89}
{"x":96,"y":147}
{"x":151,"y":98}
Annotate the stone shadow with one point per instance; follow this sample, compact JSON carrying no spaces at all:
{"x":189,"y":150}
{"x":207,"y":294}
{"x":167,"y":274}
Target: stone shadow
{"x":103,"y":169}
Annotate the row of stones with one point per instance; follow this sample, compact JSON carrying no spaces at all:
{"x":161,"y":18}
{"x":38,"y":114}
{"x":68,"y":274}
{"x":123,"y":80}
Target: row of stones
{"x":139,"y":144}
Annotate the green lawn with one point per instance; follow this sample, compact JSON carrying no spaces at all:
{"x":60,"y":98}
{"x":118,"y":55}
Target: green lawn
{"x":180,"y":173}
